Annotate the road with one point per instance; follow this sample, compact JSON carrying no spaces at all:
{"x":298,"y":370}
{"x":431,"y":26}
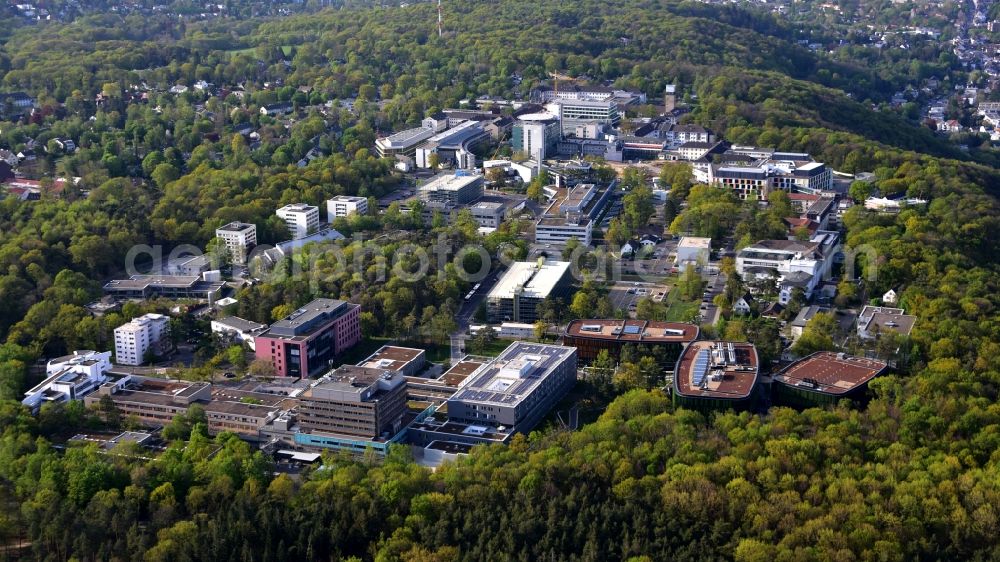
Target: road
{"x":468,"y":308}
{"x":715,"y":285}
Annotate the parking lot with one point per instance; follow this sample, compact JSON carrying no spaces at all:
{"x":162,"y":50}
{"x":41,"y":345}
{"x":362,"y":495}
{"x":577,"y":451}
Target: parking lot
{"x":624,"y":296}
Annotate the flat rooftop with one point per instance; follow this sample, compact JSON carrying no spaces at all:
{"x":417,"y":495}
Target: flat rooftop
{"x":639,"y":331}
{"x":408,"y":136}
{"x":143,"y":281}
{"x":481,"y":432}
{"x":236,"y":227}
{"x":458,"y":135}
{"x":240,"y":324}
{"x":392,"y":358}
{"x":830,"y":373}
{"x":562,"y":221}
{"x":695,"y":242}
{"x":450,"y":447}
{"x":717,"y":370}
{"x":488,"y":205}
{"x":240,"y":409}
{"x":514,"y":374}
{"x":299,"y":208}
{"x":305,"y":320}
{"x":901,"y":323}
{"x":227,"y":394}
{"x":532,"y":280}
{"x":353,"y":384}
{"x":460,"y":371}
{"x":450,"y":182}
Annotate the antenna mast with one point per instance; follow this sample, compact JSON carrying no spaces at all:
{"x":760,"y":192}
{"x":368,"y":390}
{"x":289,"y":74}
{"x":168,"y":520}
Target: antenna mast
{"x":440,"y":29}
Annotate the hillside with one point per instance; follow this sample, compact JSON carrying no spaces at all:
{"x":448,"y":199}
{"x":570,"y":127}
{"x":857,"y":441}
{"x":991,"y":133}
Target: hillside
{"x":914,"y":474}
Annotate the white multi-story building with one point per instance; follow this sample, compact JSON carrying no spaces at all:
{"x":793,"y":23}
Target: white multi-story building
{"x":302,"y":219}
{"x":403,"y":143}
{"x":693,"y":250}
{"x":594,"y":108}
{"x":69,"y":378}
{"x":344,"y":205}
{"x":239,"y":238}
{"x":243,"y":331}
{"x":802,"y":264}
{"x":135,"y":338}
{"x":558,"y":230}
{"x":536,"y":135}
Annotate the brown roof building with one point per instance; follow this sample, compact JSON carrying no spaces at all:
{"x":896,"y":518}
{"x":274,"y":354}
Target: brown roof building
{"x":716,"y":375}
{"x":825,"y":377}
{"x":664,"y":340}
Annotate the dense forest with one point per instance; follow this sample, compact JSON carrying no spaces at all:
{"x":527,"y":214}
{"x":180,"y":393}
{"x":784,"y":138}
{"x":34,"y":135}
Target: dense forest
{"x":914,"y":474}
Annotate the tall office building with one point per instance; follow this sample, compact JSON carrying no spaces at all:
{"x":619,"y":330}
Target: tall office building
{"x":516,"y":295}
{"x":133,"y":339}
{"x":302,"y":219}
{"x":592,"y":109}
{"x":362,"y":402}
{"x":302,"y":344}
{"x":344,"y":205}
{"x":536,"y":134}
{"x":239,"y":238}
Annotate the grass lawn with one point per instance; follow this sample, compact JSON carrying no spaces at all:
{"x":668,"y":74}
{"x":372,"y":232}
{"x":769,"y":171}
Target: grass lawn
{"x":680,"y":310}
{"x":434,"y":352}
{"x":492,"y":350}
{"x":358,"y":353}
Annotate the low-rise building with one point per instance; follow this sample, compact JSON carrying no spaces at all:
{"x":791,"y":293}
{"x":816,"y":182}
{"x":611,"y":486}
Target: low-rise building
{"x":662,"y":340}
{"x":151,"y":402}
{"x":458,"y":188}
{"x":516,"y":331}
{"x":242,"y":418}
{"x":242,"y":331}
{"x":875,"y":320}
{"x":516,"y":295}
{"x":403,"y":143}
{"x":453,"y":146}
{"x":279,"y":108}
{"x":892,"y":206}
{"x":71,"y":377}
{"x":489,"y":214}
{"x":780,"y":258}
{"x":188,"y":265}
{"x":716,"y":375}
{"x":141,"y":336}
{"x":571,"y":214}
{"x":801,"y":320}
{"x":164,"y":286}
{"x":693,"y":250}
{"x":406,"y":361}
{"x":825,"y":378}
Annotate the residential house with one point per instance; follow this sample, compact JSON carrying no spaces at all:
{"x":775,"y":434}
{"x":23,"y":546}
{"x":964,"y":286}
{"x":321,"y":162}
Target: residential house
{"x":745,"y":304}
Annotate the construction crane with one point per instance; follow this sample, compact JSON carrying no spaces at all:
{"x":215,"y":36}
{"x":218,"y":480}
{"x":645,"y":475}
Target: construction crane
{"x":556,"y":76}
